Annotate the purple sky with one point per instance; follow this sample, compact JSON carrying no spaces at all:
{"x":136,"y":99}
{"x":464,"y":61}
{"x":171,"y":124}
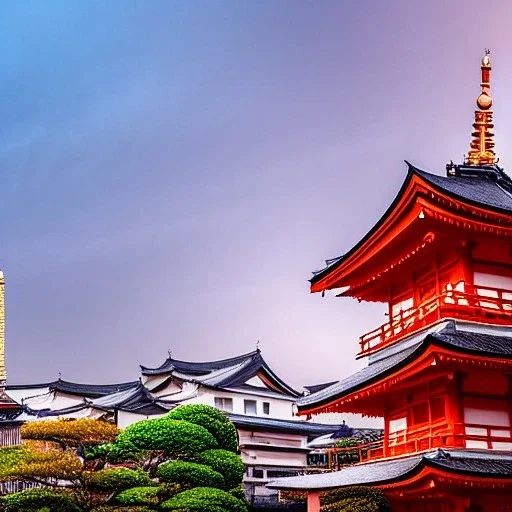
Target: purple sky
{"x":172,"y":172}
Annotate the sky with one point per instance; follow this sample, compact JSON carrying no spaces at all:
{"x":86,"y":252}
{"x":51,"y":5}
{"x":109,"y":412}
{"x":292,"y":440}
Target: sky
{"x":172,"y":172}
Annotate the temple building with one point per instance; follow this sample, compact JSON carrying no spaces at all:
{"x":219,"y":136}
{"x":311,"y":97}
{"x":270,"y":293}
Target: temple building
{"x":439,"y":368}
{"x":273,"y":441}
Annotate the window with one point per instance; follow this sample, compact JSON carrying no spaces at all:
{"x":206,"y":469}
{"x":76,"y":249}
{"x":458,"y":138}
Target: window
{"x":487,"y":422}
{"x":281,"y":473}
{"x":402,"y":308}
{"x":485,"y":282}
{"x":224,"y":404}
{"x":266,"y":408}
{"x":250,"y":406}
{"x":257,"y":473}
{"x":397,"y":425}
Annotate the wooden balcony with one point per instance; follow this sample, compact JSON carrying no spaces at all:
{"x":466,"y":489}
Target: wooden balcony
{"x":420,"y":439}
{"x":461,"y":301}
{"x":429,"y":437}
{"x":423,"y":439}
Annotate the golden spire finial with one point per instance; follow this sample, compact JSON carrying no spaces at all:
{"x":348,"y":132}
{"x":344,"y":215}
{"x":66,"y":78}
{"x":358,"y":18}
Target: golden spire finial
{"x":482,"y":146}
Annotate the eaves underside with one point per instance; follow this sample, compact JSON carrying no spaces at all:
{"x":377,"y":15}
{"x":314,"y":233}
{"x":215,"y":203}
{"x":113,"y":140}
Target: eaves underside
{"x":329,"y":276}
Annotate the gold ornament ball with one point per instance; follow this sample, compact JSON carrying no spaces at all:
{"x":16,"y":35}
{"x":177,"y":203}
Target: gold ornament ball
{"x":484,"y":101}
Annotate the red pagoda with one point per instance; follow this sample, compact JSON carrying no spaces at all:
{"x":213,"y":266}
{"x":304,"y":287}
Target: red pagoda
{"x":440,"y":368}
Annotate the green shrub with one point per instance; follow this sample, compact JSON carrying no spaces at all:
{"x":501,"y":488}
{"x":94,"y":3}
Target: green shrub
{"x":228,"y":464}
{"x":205,"y":499}
{"x":175,"y":437}
{"x":119,"y":479}
{"x":238,"y":493}
{"x":168,"y":490}
{"x":190,"y":474}
{"x":113,"y":452}
{"x":139,"y":496}
{"x":213,"y":420}
{"x":36,"y":499}
{"x":355,"y":499}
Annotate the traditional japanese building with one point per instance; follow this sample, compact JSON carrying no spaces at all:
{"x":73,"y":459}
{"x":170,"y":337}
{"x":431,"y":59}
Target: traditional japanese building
{"x":273,"y":441}
{"x":440,"y":367}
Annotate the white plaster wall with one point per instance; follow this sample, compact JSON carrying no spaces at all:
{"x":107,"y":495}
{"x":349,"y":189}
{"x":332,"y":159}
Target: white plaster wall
{"x":273,"y":458}
{"x":492,"y":280}
{"x":53,"y":401}
{"x":153,"y":381}
{"x":272,"y":438}
{"x":22,"y":394}
{"x":281,"y":409}
{"x":125,"y":419}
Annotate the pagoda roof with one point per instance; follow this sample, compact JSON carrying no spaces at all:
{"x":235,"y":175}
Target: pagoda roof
{"x":449,"y":337}
{"x":468,"y":462}
{"x":225,"y":373}
{"x":488,"y":187}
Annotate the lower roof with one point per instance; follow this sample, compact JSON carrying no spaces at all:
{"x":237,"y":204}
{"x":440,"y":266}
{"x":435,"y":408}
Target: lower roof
{"x":286,"y":426}
{"x":487,"y":345}
{"x":484,"y":464}
{"x":76,"y":388}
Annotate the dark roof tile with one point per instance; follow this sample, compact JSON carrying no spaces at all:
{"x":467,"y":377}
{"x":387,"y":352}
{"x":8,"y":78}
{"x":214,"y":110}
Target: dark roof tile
{"x":461,"y":341}
{"x":482,"y":464}
{"x":488,"y":187}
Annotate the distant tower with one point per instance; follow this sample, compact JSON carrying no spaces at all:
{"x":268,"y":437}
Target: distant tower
{"x":3,"y":373}
{"x":10,"y":433}
{"x":482,"y":146}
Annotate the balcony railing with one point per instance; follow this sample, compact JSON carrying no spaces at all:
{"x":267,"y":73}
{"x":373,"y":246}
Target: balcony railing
{"x":463,"y":301}
{"x":415,"y":440}
{"x":460,"y":435}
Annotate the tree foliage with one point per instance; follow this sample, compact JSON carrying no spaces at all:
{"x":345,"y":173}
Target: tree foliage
{"x":119,"y":479}
{"x":88,"y":466}
{"x":70,"y":432}
{"x":190,"y":474}
{"x":31,"y":462}
{"x":228,"y":464}
{"x":355,"y":499}
{"x":205,"y":499}
{"x":176,"y":438}
{"x":139,"y":496}
{"x":36,"y":499}
{"x":213,"y":420}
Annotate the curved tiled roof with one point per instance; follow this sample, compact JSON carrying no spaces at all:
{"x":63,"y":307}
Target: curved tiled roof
{"x":488,"y":187}
{"x":288,"y":426}
{"x":198,"y":368}
{"x":365,"y":376}
{"x":458,"y":340}
{"x":225,"y":373}
{"x":484,"y":465}
{"x":75,"y":388}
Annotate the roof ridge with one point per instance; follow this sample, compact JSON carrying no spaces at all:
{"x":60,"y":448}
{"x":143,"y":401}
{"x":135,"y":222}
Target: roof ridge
{"x":168,"y":363}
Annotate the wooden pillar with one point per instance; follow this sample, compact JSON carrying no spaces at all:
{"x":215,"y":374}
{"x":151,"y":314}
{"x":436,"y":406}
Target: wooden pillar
{"x":385,"y":444}
{"x":454,"y":407}
{"x":313,"y":501}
